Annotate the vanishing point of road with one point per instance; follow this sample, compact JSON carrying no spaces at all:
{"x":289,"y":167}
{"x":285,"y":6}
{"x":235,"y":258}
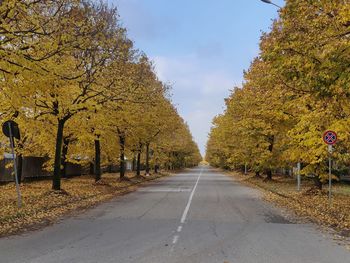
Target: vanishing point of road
{"x":200,"y":215}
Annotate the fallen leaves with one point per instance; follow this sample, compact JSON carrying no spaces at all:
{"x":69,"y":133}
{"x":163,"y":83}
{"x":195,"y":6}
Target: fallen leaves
{"x":308,"y":204}
{"x":42,"y":206}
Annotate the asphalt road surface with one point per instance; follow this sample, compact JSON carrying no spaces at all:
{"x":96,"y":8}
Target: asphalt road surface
{"x":198,"y":216}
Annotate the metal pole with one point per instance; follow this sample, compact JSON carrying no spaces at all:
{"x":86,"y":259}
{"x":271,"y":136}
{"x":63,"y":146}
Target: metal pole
{"x":298,"y":176}
{"x":330,"y":148}
{"x":12,"y":144}
{"x":271,"y":3}
{"x":276,"y":5}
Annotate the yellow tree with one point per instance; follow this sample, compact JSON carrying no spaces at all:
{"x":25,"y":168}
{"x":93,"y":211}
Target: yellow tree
{"x":68,"y":81}
{"x":253,"y":129}
{"x":137,"y":88}
{"x":23,"y":27}
{"x":309,"y":50}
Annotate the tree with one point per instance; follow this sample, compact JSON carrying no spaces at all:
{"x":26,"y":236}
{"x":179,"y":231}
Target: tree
{"x":78,"y":89}
{"x":70,"y":80}
{"x":295,"y":90}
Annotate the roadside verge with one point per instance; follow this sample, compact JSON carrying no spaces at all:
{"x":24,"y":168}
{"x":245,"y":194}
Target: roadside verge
{"x":42,"y":207}
{"x":306,"y":204}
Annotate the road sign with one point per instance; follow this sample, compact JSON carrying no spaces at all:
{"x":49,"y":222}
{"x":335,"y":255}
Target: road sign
{"x":330,"y":137}
{"x":11,"y":127}
{"x":11,"y":130}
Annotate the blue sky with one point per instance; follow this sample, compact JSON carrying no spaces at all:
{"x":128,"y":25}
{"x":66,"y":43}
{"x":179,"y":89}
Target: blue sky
{"x":201,"y":47}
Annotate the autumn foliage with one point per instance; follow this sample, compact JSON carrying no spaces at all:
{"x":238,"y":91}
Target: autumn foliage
{"x":295,"y":90}
{"x":80,"y":91}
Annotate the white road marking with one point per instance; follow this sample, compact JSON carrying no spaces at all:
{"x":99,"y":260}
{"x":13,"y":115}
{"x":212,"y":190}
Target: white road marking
{"x":184,"y":215}
{"x":175,"y":239}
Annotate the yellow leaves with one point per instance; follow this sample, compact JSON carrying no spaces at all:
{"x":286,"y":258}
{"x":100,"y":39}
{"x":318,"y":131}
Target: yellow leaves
{"x":251,"y":131}
{"x":72,"y":61}
{"x":295,"y":90}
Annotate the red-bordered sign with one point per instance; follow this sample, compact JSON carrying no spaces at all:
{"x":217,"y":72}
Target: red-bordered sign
{"x":330,"y":137}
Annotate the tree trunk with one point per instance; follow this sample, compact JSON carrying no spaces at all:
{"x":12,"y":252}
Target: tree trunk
{"x":97,"y":166}
{"x":64,"y":157}
{"x":318,"y":183}
{"x":122,"y":156}
{"x":147,"y":159}
{"x":138,"y":164}
{"x":56,"y":181}
{"x":19,"y":167}
{"x":268,"y":175}
{"x":169,"y":162}
{"x":156,"y":167}
{"x":269,"y":171}
{"x":133,"y":163}
{"x":92,"y":167}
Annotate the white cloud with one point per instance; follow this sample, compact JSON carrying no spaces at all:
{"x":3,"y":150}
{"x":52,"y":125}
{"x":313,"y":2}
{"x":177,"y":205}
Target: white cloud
{"x":188,"y":72}
{"x":209,"y":50}
{"x":216,"y":81}
{"x":198,"y":90}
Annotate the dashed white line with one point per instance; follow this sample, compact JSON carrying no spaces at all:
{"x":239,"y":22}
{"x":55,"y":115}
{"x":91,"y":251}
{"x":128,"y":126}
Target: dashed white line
{"x":175,"y":239}
{"x":184,"y":215}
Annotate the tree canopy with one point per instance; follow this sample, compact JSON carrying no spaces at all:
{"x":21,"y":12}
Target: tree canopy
{"x":295,"y":90}
{"x":80,"y":91}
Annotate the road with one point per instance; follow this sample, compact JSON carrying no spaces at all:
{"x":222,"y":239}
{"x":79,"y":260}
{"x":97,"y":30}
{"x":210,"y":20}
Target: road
{"x":197,"y":216}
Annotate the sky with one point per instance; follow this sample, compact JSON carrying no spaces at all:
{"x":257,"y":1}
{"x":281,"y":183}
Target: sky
{"x":200,"y":47}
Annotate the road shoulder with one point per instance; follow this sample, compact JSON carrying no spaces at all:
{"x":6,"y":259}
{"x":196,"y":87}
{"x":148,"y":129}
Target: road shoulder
{"x":43,"y":207}
{"x":304,"y":206}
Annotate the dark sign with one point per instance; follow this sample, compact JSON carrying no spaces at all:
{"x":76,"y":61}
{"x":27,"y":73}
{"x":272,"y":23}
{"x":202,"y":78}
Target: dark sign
{"x":11,"y":128}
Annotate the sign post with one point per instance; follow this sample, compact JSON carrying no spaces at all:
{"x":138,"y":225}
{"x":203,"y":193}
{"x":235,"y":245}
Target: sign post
{"x":11,"y":130}
{"x":298,"y":175}
{"x":330,"y":138}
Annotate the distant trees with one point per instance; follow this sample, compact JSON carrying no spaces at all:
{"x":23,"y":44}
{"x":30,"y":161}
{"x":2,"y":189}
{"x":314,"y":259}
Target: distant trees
{"x":78,"y":88}
{"x":295,"y":90}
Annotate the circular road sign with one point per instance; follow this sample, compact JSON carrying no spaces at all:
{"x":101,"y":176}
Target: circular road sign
{"x":330,"y":137}
{"x":7,"y":125}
